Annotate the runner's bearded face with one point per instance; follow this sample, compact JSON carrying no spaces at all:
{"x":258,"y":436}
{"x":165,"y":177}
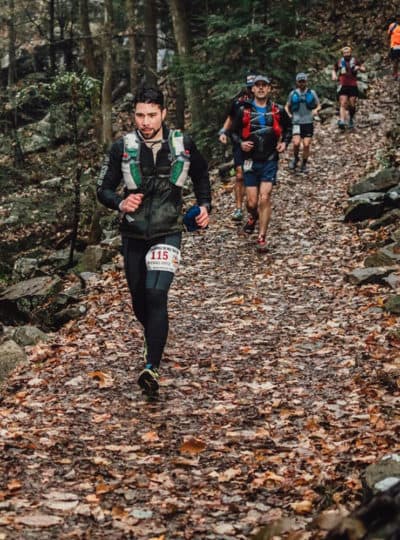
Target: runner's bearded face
{"x":148,"y":119}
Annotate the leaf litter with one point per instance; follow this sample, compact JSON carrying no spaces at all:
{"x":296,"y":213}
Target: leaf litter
{"x":276,"y":386}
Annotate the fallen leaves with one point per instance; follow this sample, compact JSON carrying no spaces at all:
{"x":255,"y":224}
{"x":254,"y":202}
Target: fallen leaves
{"x":14,"y":485}
{"x":39,"y":520}
{"x":104,"y":379}
{"x":279,"y":386}
{"x":193,"y":447}
{"x":302,"y":507}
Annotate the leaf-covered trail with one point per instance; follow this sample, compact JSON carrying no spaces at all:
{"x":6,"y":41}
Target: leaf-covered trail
{"x":274,"y":396}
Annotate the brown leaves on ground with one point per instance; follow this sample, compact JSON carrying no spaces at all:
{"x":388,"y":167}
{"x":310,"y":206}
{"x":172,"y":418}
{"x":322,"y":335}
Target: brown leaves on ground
{"x":279,"y":385}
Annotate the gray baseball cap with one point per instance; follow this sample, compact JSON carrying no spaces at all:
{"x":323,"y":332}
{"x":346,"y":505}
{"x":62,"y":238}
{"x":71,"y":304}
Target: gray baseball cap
{"x":261,"y":78}
{"x":301,"y":77}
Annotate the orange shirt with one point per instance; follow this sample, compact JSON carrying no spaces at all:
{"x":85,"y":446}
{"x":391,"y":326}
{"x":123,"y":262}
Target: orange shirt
{"x":394,"y":32}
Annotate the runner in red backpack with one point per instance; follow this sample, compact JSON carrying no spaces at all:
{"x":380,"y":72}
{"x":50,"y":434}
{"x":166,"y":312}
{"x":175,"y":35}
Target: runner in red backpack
{"x":224,"y":134}
{"x":264,"y":130}
{"x":394,"y":37}
{"x":345,"y":70}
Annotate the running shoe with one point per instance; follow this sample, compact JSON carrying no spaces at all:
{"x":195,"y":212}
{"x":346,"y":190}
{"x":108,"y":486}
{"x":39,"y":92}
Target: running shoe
{"x":148,"y":381}
{"x":261,"y":244}
{"x":293,"y":163}
{"x":341,"y":125}
{"x":304,"y":168}
{"x":250,"y":225}
{"x":351,"y":123}
{"x":237,"y":215}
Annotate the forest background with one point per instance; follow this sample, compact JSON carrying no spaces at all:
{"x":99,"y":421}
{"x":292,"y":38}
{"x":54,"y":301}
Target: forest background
{"x":198,"y":51}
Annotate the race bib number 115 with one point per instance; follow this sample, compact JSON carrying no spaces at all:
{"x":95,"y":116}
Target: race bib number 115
{"x":163,"y":257}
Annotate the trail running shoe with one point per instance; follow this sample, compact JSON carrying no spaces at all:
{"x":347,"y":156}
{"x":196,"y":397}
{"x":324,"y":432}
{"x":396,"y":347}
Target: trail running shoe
{"x":261,"y":244}
{"x":237,"y":215}
{"x":293,"y":163}
{"x":148,"y":381}
{"x":351,"y":123}
{"x":341,"y":125}
{"x":250,"y":225}
{"x":304,"y":168}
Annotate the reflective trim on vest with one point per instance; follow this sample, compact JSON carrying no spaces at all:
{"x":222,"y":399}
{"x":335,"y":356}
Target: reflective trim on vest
{"x":130,"y":165}
{"x":180,"y":158}
{"x":132,"y":171}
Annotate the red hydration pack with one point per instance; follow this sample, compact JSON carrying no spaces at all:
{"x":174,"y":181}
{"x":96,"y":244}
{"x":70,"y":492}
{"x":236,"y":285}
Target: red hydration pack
{"x":276,"y":125}
{"x":246,"y":123}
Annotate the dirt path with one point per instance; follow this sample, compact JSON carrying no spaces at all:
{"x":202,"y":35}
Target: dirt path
{"x":272,"y":396}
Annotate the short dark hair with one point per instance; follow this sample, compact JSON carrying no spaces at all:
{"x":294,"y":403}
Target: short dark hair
{"x":149,"y":94}
{"x":392,"y":19}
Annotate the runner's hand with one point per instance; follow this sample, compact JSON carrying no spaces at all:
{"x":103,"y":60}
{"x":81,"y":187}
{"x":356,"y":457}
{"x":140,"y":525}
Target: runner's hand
{"x":202,"y":219}
{"x":223,"y":138}
{"x":246,"y":146}
{"x":131,"y":203}
{"x":281,"y":147}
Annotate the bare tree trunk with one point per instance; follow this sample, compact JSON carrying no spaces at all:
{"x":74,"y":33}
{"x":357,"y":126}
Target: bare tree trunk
{"x":52,"y":45}
{"x":133,"y":65}
{"x":106,"y":95}
{"x":182,"y":37}
{"x":150,"y":40}
{"x":12,"y":72}
{"x":180,"y":104}
{"x":87,"y":40}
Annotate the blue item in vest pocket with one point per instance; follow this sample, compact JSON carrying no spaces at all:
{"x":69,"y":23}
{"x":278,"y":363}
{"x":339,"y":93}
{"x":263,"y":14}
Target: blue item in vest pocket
{"x":189,"y":219}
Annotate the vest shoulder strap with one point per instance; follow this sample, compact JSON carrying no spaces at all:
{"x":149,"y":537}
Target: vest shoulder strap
{"x":176,"y":143}
{"x":131,"y":141}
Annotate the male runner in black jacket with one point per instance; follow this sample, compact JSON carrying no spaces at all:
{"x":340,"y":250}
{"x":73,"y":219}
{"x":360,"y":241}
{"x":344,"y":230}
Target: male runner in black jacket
{"x":154,"y":163}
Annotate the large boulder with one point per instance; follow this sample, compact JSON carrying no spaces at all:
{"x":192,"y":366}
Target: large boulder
{"x":93,"y":258}
{"x":362,"y":276}
{"x":365,"y":206}
{"x":392,"y":216}
{"x":28,"y":335}
{"x":392,"y":304}
{"x":54,"y":127}
{"x":384,"y":474}
{"x":380,"y":181}
{"x":386,"y":256}
{"x":23,"y":301}
{"x":392,"y":197}
{"x":376,"y":519}
{"x":25,"y":268}
{"x":11,"y":354}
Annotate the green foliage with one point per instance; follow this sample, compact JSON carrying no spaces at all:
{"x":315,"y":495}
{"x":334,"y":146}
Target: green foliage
{"x":79,"y":89}
{"x":246,"y":37}
{"x":27,"y":93}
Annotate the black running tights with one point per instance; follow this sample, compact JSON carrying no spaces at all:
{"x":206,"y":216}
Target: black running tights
{"x":149,"y":291}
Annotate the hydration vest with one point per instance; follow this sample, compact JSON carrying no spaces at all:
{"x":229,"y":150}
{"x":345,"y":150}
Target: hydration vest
{"x":247,"y":125}
{"x":132,"y":170}
{"x":307,"y":97}
{"x":394,"y":32}
{"x":343,"y":66}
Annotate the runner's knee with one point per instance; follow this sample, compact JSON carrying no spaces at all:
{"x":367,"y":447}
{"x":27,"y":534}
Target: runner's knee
{"x":156,"y":300}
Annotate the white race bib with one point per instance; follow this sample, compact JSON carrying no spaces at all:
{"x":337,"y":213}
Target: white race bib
{"x":247,"y":165}
{"x":163,"y":257}
{"x":296,"y":129}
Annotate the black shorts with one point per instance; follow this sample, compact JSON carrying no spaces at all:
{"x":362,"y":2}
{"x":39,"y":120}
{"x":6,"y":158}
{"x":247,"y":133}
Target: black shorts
{"x":394,"y":54}
{"x":351,"y":91}
{"x":237,"y":155}
{"x":306,"y":130}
